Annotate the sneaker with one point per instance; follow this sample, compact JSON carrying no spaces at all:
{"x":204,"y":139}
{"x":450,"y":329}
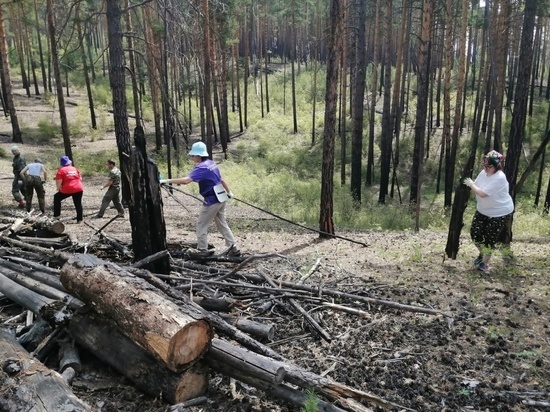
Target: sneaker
{"x":233,"y":251}
{"x":483,"y":267}
{"x":97,"y":217}
{"x":478,"y":260}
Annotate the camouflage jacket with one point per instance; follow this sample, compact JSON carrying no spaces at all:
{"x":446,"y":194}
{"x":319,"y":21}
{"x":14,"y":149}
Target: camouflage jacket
{"x":18,"y":164}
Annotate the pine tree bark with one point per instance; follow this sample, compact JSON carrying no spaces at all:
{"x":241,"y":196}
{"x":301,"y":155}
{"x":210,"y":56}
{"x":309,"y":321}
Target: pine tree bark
{"x":326,"y":223}
{"x":358,"y":99}
{"x":58,"y":82}
{"x":519,"y":113}
{"x":6,"y":83}
{"x":140,"y":185}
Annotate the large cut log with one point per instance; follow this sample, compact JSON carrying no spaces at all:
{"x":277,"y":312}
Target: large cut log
{"x":27,"y":385}
{"x":177,"y":335}
{"x":146,"y":372}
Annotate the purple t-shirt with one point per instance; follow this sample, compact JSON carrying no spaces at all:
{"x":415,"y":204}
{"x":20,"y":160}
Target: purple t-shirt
{"x":207,"y":175}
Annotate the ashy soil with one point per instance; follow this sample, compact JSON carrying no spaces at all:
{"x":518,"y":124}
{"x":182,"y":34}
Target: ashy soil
{"x":492,"y":354}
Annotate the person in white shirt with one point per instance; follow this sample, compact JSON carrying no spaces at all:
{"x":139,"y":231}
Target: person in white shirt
{"x":495,"y":208}
{"x":34,"y":175}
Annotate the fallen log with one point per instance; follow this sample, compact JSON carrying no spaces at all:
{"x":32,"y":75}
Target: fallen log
{"x":54,"y":242}
{"x":294,"y":374}
{"x":41,"y":288}
{"x":250,"y":363}
{"x":51,"y":310}
{"x":281,"y":391}
{"x":69,"y":356}
{"x":132,"y":361}
{"x":318,"y":329}
{"x":37,"y":222}
{"x":41,"y":273}
{"x":23,"y":296}
{"x":36,"y":334}
{"x":177,"y":335}
{"x":256,"y":329}
{"x":27,"y":385}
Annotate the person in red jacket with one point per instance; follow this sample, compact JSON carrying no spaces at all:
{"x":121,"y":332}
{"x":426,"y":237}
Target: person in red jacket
{"x":69,"y":184}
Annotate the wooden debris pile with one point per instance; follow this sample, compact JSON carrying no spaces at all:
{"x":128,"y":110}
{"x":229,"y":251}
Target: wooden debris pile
{"x":159,"y":330}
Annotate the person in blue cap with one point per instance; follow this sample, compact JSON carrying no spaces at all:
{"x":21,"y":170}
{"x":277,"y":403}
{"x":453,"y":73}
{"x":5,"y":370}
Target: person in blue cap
{"x":215,"y":192}
{"x":495,"y":208}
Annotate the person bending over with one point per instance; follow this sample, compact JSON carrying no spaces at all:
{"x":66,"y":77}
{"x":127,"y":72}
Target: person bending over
{"x":69,"y":184}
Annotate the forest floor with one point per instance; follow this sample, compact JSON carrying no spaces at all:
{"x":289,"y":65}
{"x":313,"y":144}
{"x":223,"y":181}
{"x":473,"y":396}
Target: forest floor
{"x":492,"y":355}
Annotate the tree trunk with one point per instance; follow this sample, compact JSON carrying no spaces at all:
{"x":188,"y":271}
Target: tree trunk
{"x":6,"y":83}
{"x":422,"y":105}
{"x":358,"y":98}
{"x":40,"y":52}
{"x":86,"y":73}
{"x":387,"y":125}
{"x":326,"y":223}
{"x":58,"y":82}
{"x":27,"y":385}
{"x":519,"y":113}
{"x":175,"y":337}
{"x":132,"y":64}
{"x":140,"y":185}
{"x":153,"y":59}
{"x":370,"y":156}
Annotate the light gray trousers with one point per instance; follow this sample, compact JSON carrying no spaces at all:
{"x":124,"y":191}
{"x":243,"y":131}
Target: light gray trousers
{"x":216,"y":213}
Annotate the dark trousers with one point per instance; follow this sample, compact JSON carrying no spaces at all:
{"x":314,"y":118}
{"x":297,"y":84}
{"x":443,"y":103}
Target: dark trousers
{"x":34,"y":184}
{"x":77,"y":200}
{"x":112,"y":195}
{"x":17,"y":187}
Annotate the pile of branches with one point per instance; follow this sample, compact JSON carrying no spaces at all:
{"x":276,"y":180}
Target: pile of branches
{"x":158,"y":330}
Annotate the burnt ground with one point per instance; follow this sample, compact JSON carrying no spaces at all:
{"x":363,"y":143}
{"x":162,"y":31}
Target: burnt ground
{"x":493,"y":355}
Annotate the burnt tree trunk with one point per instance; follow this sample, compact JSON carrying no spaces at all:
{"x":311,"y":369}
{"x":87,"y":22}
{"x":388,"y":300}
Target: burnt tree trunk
{"x":26,"y":384}
{"x":140,"y":185}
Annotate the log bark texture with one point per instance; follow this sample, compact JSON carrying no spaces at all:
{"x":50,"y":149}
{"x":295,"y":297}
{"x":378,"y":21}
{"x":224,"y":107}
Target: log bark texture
{"x":177,"y":335}
{"x":147,"y":373}
{"x":250,"y":363}
{"x":27,"y":385}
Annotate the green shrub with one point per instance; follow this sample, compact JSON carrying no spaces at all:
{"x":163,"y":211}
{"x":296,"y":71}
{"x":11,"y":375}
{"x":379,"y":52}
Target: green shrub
{"x":47,"y":129}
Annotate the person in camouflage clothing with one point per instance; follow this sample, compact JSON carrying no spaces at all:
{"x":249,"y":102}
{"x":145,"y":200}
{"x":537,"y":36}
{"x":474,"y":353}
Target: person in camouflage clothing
{"x":18,"y":185}
{"x":113,"y":191}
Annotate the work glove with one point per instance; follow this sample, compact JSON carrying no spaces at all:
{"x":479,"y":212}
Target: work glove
{"x":468,"y":182}
{"x":230,"y":195}
{"x":163,"y":181}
